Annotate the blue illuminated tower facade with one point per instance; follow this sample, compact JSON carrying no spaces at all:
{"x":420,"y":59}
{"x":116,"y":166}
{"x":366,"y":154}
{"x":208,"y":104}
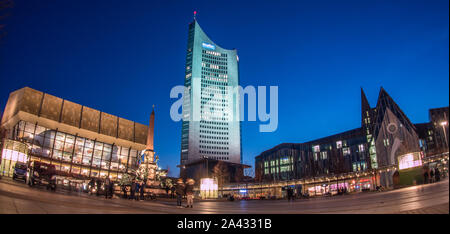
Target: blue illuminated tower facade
{"x":210,"y":126}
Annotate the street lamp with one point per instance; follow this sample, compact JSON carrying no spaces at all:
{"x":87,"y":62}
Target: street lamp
{"x":443,"y":124}
{"x":207,"y":168}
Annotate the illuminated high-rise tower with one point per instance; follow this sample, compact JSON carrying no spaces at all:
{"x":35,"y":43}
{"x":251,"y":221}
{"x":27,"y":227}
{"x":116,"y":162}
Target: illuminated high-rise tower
{"x":211,"y":127}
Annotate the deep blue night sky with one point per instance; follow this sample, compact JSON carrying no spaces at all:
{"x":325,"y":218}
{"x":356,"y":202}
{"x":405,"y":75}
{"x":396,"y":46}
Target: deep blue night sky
{"x":122,"y":57}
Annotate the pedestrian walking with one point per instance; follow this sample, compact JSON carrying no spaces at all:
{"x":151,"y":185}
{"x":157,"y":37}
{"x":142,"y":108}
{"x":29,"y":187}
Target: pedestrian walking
{"x":172,"y":191}
{"x":180,"y":192}
{"x":289,"y":193}
{"x":141,"y":189}
{"x":124,"y":190}
{"x":111,"y":189}
{"x":190,"y":193}
{"x":99,"y":187}
{"x":91,"y":186}
{"x":431,"y":175}
{"x":437,"y":174}
{"x":425,"y":177}
{"x":137,"y":191}
{"x":133,"y":189}
{"x":107,"y":184}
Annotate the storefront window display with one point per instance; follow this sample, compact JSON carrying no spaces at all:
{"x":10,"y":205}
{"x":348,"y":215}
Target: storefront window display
{"x":72,"y":154}
{"x":12,"y":152}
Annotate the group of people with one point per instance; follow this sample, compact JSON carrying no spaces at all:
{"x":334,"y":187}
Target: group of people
{"x":431,"y":176}
{"x":96,"y":185}
{"x":187,"y":189}
{"x":137,"y":190}
{"x":342,"y":190}
{"x":290,"y":193}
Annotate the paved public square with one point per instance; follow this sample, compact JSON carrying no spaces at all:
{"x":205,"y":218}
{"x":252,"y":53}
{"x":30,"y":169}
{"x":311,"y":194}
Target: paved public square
{"x":17,"y":198}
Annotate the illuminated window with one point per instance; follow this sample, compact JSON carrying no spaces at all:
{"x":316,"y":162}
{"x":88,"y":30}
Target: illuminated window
{"x":338,"y":144}
{"x":316,"y":148}
{"x":409,"y":160}
{"x":361,"y":148}
{"x":346,"y":151}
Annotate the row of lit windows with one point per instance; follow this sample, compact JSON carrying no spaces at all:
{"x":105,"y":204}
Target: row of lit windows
{"x":214,"y":132}
{"x":209,"y":98}
{"x":214,"y":105}
{"x":212,"y":114}
{"x":214,"y":137}
{"x":214,"y":123}
{"x":82,"y":170}
{"x":213,"y":152}
{"x":211,"y":111}
{"x":213,"y":80}
{"x":210,"y":75}
{"x":213,"y":147}
{"x":217,"y":71}
{"x":213,"y":66}
{"x":215,"y":142}
{"x":214,"y":55}
{"x":214,"y":61}
{"x":208,"y":91}
{"x":218,"y":86}
{"x":213,"y":127}
{"x":205,"y":101}
{"x":212,"y":118}
{"x":215,"y":157}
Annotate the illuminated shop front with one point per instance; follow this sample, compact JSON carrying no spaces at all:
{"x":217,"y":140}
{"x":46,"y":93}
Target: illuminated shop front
{"x":12,"y":152}
{"x":76,"y":156}
{"x":208,"y":188}
{"x":317,"y":186}
{"x":410,"y":160}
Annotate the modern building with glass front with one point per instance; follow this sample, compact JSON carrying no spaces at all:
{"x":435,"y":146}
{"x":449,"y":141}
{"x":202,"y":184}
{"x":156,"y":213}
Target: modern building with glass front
{"x":81,"y":142}
{"x":210,"y":126}
{"x":386,"y":143}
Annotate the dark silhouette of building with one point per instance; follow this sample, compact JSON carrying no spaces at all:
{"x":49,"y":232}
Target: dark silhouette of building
{"x":434,"y":134}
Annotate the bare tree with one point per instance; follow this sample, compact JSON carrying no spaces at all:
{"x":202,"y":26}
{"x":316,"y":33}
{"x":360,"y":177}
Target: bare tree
{"x":221,"y":172}
{"x":249,"y":172}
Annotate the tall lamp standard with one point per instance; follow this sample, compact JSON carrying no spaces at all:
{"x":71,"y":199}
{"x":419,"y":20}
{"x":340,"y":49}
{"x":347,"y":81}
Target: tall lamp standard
{"x":207,"y":168}
{"x":443,"y":124}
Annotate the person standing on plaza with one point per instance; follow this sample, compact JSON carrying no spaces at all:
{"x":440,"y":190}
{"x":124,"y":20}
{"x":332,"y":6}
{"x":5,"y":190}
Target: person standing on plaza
{"x":172,"y":191}
{"x":425,"y":176}
{"x":124,"y":190}
{"x":431,"y":175}
{"x":289,"y":193}
{"x":437,"y":174}
{"x":180,"y":192}
{"x":133,"y":189}
{"x":107,"y":184}
{"x":137,"y":190}
{"x":142,"y":188}
{"x":99,"y":187}
{"x":111,"y":189}
{"x":190,"y":193}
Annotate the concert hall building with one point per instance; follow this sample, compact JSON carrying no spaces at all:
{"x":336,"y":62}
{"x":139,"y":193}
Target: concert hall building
{"x":80,"y":141}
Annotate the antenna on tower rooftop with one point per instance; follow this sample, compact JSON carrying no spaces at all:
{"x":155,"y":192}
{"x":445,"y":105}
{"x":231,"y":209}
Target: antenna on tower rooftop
{"x":195,"y":13}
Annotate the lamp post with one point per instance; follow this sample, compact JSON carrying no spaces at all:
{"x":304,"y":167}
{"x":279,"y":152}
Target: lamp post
{"x":207,"y":168}
{"x":444,"y":124}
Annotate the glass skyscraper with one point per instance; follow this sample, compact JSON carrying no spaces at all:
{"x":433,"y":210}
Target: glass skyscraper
{"x":210,"y":126}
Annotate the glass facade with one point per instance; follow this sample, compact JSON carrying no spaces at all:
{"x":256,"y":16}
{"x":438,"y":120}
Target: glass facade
{"x":12,"y":152}
{"x":210,"y":126}
{"x":76,"y":156}
{"x":342,"y":153}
